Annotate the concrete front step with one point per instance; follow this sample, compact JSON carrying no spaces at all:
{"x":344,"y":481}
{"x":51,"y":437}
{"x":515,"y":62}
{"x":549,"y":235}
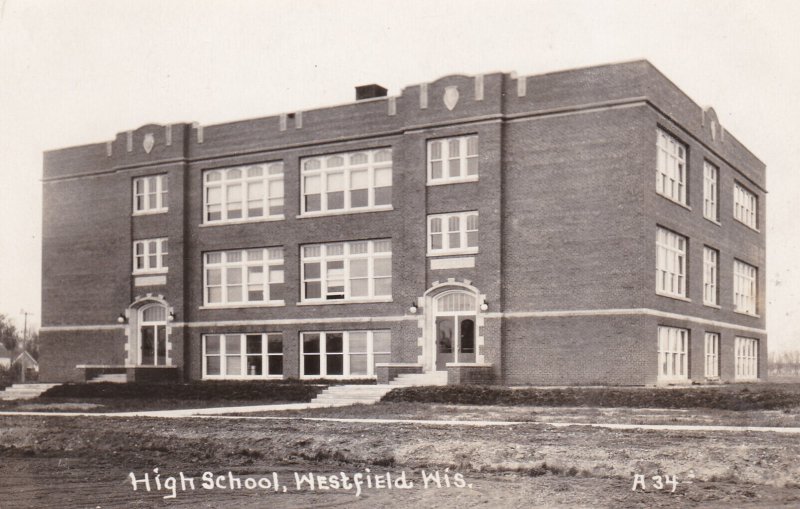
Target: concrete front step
{"x":110,"y":378}
{"x":24,"y":391}
{"x":339,"y":395}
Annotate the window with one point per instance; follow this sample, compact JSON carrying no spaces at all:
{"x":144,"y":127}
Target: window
{"x":710,"y":276}
{"x":248,"y":276}
{"x":343,"y":354}
{"x":673,"y":353}
{"x":744,"y":288}
{"x":710,"y":191}
{"x":150,"y":194}
{"x":243,"y":193}
{"x":242,"y":355}
{"x":150,"y":255}
{"x":347,"y":182}
{"x":670,"y":263}
{"x":712,"y":355}
{"x":746,"y":358}
{"x":359,"y":270}
{"x":453,"y":233}
{"x":453,"y":160}
{"x":671,"y":168}
{"x":745,"y":206}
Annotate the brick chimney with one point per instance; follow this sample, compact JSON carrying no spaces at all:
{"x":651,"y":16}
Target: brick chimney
{"x":370,"y":92}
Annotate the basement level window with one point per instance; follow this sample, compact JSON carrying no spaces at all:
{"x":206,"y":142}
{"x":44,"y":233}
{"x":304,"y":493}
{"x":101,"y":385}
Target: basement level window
{"x":673,"y":354}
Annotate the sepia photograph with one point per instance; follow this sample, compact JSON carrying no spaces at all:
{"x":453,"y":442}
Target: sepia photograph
{"x":430,"y":253}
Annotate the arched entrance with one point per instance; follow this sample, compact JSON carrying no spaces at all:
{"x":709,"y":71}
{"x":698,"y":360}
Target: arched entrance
{"x":454,"y":318}
{"x":152,"y":335}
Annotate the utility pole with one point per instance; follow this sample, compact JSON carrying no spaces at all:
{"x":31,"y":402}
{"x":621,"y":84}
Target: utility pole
{"x":24,"y":340}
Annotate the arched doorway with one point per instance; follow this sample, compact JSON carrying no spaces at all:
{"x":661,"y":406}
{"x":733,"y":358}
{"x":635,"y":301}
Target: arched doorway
{"x":152,"y":335}
{"x":454,"y":314}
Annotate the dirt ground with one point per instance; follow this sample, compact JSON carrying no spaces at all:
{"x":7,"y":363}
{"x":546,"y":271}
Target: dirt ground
{"x":86,"y":462}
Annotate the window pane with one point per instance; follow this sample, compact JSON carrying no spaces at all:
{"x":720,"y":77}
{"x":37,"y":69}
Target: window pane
{"x":358,"y":342}
{"x":358,"y":365}
{"x":253,"y":343}
{"x":212,"y":344}
{"x":334,"y":342}
{"x":383,"y":196}
{"x":383,"y":267}
{"x":383,"y":286}
{"x":334,"y":364}
{"x":311,"y":365}
{"x":358,"y":268}
{"x":275,"y":365}
{"x":313,"y":290}
{"x":275,"y":343}
{"x":233,"y":344}
{"x":359,"y":287}
{"x":233,"y":365}
{"x":310,"y":343}
{"x":255,"y":365}
{"x":212,"y":366}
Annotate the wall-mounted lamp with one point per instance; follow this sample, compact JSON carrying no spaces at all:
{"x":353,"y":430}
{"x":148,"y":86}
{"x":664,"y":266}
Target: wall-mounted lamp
{"x":413,"y":308}
{"x":121,"y":318}
{"x":484,"y":306}
{"x":171,"y":316}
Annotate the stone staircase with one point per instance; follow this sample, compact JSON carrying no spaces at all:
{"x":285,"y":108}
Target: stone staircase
{"x":120,"y":378}
{"x":24,"y":391}
{"x":343,"y":395}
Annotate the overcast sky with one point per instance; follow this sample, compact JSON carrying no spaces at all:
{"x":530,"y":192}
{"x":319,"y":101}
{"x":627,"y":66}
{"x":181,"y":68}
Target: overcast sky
{"x":78,"y":72}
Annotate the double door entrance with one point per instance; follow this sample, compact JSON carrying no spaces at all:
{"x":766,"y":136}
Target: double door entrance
{"x":153,"y":336}
{"x":455,"y":340}
{"x":454,"y":328}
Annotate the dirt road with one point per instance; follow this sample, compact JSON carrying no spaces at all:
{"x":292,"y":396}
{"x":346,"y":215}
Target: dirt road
{"x":86,"y":462}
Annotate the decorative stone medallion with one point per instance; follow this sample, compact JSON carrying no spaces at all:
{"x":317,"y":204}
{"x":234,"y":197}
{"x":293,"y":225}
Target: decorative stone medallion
{"x":148,"y":142}
{"x":450,"y":97}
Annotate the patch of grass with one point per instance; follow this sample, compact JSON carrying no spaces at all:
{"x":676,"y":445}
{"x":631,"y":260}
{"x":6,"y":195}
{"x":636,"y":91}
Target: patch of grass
{"x":256,"y":391}
{"x":738,"y":398}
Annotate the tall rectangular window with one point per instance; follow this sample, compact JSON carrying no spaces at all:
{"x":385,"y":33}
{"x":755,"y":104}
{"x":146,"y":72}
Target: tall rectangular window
{"x":746,"y":351}
{"x":242,"y":277}
{"x":712,"y":355}
{"x":150,"y":194}
{"x":745,"y":295}
{"x":670,"y":263}
{"x":710,"y":276}
{"x":238,"y":356}
{"x":710,"y":191}
{"x":149,"y":255}
{"x":351,"y":354}
{"x":673,"y":354}
{"x":455,"y":233}
{"x":359,"y":270}
{"x":453,"y":160}
{"x":745,"y":206}
{"x":671,"y":168}
{"x":243,"y":193}
{"x":350,"y":182}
